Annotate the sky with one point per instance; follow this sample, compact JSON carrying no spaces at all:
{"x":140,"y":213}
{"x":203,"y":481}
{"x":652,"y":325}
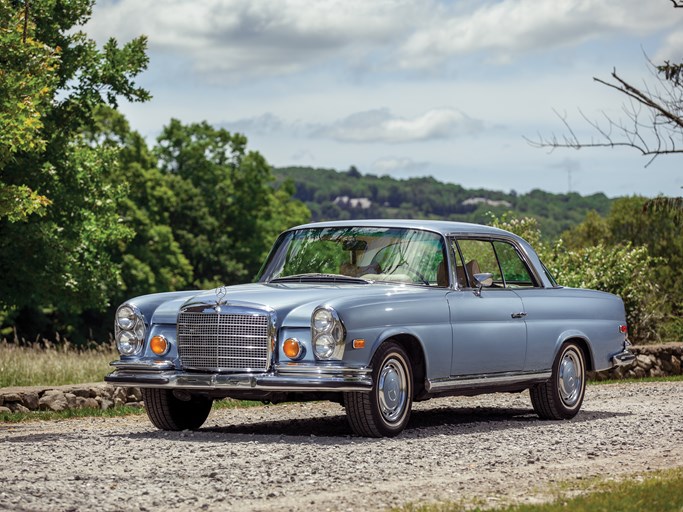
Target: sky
{"x":449,"y":89}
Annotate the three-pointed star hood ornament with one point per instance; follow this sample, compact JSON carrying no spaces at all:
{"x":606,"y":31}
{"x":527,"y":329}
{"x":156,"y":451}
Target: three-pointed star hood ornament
{"x":221,"y":292}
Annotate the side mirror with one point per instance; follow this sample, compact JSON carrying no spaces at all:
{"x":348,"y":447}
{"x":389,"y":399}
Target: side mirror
{"x":483,"y":280}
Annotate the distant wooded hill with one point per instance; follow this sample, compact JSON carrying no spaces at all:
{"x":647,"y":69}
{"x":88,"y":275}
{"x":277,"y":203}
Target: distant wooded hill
{"x":332,"y":195}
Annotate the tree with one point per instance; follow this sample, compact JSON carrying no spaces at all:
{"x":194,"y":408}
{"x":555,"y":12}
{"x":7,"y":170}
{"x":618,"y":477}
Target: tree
{"x":226,"y":213}
{"x":28,"y":76}
{"x":654,"y":117}
{"x":658,"y":232}
{"x":152,"y":260}
{"x":653,"y":124}
{"x":58,"y":263}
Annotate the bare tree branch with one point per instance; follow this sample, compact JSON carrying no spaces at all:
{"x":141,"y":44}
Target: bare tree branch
{"x":652,"y":123}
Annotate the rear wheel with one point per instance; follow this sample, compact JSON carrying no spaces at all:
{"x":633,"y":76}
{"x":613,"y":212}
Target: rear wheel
{"x":561,"y":397}
{"x":167,"y":412}
{"x":384,"y":411}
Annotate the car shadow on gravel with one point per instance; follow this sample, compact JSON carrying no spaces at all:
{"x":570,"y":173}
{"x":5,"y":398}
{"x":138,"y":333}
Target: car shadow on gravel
{"x":333,"y":429}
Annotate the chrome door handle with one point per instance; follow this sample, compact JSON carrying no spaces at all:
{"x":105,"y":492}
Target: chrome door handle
{"x":518,"y":315}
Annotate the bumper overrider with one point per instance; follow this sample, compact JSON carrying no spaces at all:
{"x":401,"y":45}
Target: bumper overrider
{"x":625,"y":357}
{"x":282,"y":377}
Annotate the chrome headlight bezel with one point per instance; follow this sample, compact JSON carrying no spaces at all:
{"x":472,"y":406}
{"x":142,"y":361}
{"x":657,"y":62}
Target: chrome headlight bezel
{"x":328,"y":334}
{"x":129,"y":330}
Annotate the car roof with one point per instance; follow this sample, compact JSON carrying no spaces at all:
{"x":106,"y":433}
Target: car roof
{"x":438,"y":226}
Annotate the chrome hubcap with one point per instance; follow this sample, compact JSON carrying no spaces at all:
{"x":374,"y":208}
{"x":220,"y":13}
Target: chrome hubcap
{"x":570,"y":378}
{"x":392,"y":389}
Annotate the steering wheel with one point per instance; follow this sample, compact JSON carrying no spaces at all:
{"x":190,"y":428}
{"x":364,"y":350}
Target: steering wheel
{"x":415,"y":272}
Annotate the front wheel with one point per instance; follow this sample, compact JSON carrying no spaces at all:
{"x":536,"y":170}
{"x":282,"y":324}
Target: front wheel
{"x":561,"y":397}
{"x":385,"y":411}
{"x":167,"y":412}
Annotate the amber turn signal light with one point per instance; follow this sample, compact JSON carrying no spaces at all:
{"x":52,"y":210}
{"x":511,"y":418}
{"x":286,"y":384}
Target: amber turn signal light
{"x":292,"y":348}
{"x":159,"y":345}
{"x":359,"y":343}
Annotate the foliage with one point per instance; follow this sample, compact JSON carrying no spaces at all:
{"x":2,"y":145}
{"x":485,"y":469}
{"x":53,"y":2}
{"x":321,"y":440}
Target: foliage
{"x":34,"y":364}
{"x":28,"y":77}
{"x":58,"y":263}
{"x":226,"y":213}
{"x":622,"y":269}
{"x":152,"y":260}
{"x":324,"y":190}
{"x":659,"y":231}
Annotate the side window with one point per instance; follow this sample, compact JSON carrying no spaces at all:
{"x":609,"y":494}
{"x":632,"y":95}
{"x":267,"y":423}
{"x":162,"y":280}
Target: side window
{"x":460,"y":274}
{"x":514,"y":270}
{"x":480,"y":258}
{"x":497,"y":258}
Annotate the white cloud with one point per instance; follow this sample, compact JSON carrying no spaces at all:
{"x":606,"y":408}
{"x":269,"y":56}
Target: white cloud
{"x":505,"y":29}
{"x":672,"y":50}
{"x":263,"y":124}
{"x":380,"y":125}
{"x":257,"y":37}
{"x":240,"y":39}
{"x":398,"y":165}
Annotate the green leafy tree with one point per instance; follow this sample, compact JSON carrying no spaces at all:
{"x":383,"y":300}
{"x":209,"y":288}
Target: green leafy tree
{"x":59,"y":263}
{"x":226,"y":212}
{"x":152,"y":260}
{"x":28,"y":77}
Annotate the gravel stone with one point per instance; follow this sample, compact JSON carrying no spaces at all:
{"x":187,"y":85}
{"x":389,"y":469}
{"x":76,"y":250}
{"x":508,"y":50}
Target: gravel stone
{"x":492,"y":449}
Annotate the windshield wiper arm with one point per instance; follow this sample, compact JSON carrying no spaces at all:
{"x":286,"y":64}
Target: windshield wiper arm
{"x":312,"y":276}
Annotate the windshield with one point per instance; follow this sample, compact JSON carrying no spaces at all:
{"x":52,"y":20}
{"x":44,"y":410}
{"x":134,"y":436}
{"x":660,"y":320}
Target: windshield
{"x":358,"y":254}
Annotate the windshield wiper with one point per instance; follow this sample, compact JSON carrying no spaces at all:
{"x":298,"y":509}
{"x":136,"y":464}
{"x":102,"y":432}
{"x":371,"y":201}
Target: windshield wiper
{"x":327,"y":278}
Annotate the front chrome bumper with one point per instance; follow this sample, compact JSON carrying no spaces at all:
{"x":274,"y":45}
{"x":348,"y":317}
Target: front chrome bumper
{"x":625,"y":357}
{"x":285,"y":377}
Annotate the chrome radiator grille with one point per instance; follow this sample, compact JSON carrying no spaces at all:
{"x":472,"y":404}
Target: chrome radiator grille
{"x":223,"y":342}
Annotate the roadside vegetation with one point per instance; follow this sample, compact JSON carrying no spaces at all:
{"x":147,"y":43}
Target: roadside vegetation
{"x":53,"y":364}
{"x":659,"y":491}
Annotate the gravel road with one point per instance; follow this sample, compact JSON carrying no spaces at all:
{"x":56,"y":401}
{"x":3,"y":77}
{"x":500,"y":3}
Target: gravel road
{"x":301,"y":457}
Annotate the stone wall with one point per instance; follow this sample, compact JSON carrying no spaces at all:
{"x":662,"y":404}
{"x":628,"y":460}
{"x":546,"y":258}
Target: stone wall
{"x":59,"y":398}
{"x":651,"y":361}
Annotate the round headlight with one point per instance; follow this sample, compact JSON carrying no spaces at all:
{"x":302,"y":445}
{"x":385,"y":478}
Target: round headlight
{"x":127,"y":343}
{"x":125,"y":318}
{"x":323,"y":320}
{"x":324,"y":346}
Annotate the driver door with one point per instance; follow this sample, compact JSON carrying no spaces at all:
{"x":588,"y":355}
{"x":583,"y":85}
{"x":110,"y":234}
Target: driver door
{"x":489,"y":332}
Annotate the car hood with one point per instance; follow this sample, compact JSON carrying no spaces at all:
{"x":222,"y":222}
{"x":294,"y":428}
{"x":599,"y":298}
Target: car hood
{"x":293,"y":303}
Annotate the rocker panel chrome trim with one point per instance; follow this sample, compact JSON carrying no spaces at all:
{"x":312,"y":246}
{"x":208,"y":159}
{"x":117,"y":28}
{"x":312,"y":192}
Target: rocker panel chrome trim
{"x":477,"y":381}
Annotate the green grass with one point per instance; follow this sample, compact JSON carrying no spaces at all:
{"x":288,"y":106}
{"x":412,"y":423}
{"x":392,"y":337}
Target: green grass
{"x":36,"y":364}
{"x":86,"y":412}
{"x":671,"y":378}
{"x":659,"y":491}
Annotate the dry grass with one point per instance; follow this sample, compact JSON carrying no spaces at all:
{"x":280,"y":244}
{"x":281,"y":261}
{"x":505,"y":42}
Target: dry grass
{"x":38,"y":364}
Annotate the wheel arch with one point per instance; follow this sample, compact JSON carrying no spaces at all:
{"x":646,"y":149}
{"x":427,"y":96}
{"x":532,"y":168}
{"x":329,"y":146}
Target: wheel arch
{"x":415,"y":350}
{"x":583,"y":343}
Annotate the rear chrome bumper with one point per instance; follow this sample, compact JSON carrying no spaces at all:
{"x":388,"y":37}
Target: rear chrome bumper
{"x":625,"y":357}
{"x":285,"y":377}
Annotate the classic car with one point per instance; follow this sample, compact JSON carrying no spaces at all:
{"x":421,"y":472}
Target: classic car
{"x":375,"y":315}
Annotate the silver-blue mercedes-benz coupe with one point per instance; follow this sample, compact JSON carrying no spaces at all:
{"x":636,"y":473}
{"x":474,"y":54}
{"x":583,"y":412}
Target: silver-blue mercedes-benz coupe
{"x":373,"y":314}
